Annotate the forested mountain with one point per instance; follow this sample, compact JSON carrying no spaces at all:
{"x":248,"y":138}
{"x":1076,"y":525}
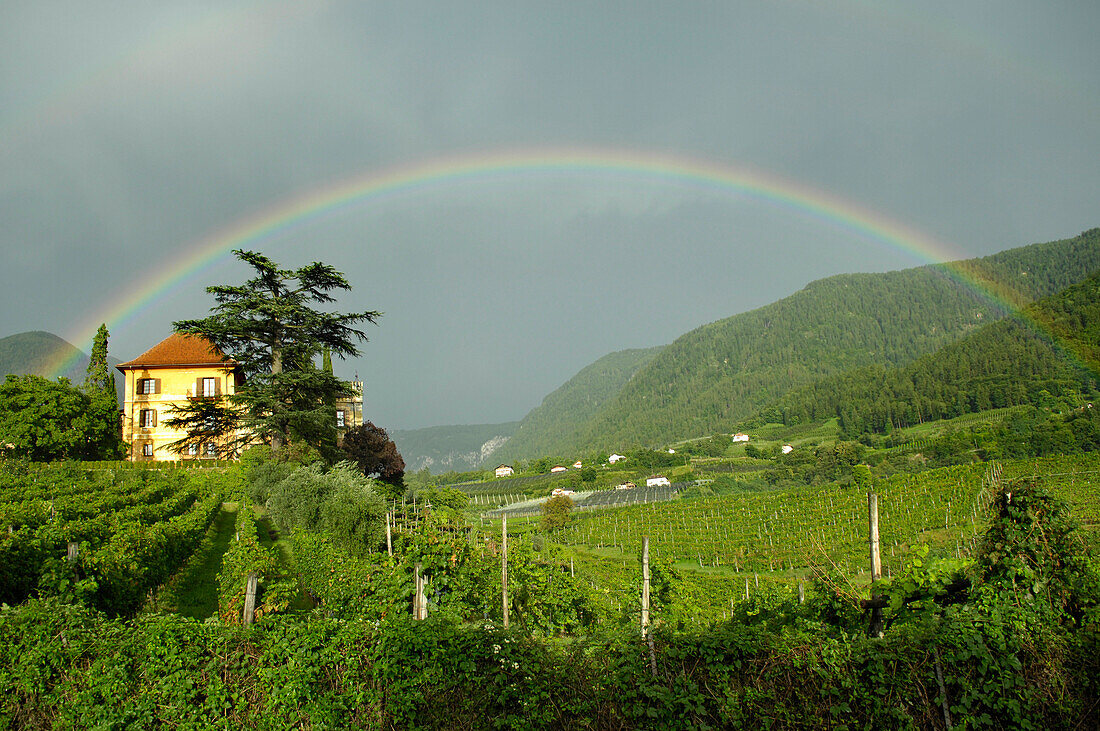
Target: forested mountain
{"x":446,"y":448}
{"x":556,"y":426}
{"x":725,"y":371}
{"x":38,"y":353}
{"x":1049,"y":356}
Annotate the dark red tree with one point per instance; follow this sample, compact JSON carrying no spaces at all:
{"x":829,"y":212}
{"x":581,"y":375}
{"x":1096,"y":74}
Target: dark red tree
{"x":371,"y":448}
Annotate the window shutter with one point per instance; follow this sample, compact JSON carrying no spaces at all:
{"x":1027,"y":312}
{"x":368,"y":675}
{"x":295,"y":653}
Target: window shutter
{"x":156,"y":385}
{"x":154,"y":417}
{"x":198,"y":387}
{"x":217,"y":387}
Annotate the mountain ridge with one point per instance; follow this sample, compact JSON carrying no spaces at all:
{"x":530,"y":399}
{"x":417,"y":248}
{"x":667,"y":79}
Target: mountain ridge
{"x":38,"y":352}
{"x":720,"y":373}
{"x":1048,"y":356}
{"x":458,"y":448}
{"x":548,"y":428}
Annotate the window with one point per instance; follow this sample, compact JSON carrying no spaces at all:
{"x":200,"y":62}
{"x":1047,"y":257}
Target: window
{"x":146,"y":386}
{"x":192,"y":450}
{"x":148,"y":418}
{"x":209,"y":387}
{"x":339,"y":419}
{"x":147,"y":449}
{"x":211,"y":450}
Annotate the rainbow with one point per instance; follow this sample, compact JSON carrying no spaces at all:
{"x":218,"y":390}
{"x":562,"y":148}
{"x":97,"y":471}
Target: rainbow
{"x":675,"y":171}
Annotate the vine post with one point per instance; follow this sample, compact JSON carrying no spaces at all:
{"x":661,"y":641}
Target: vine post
{"x":504,"y":567}
{"x":645,"y":607}
{"x":645,"y":586}
{"x":389,"y":537}
{"x":875,"y":629}
{"x":249,"y":599}
{"x":420,"y":602}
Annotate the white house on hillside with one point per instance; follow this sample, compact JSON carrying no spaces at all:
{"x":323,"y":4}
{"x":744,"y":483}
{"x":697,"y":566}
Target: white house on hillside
{"x":657,"y":481}
{"x":739,"y":437}
{"x":505,"y":471}
{"x":787,"y":449}
{"x":558,"y":468}
{"x":615,"y":458}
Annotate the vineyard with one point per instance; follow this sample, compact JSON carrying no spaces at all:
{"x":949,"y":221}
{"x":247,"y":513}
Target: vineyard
{"x":735,"y":639}
{"x":794,"y":529}
{"x":594,"y":499}
{"x":106,"y":537}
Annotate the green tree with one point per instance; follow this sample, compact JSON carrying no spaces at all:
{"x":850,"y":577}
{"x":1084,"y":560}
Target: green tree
{"x":103,"y":426}
{"x":98,"y":376}
{"x":43,"y":420}
{"x":556,"y":512}
{"x":270,"y":326}
{"x":861,"y":478}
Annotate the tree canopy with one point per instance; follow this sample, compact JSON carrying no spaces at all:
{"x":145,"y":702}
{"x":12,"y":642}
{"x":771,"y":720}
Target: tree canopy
{"x":103,"y":425}
{"x":372,"y":450}
{"x":556,"y":512}
{"x":273,"y":328}
{"x":43,"y":421}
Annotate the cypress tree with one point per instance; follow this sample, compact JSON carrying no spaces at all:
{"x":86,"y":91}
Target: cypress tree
{"x":103,"y":426}
{"x":98,"y":376}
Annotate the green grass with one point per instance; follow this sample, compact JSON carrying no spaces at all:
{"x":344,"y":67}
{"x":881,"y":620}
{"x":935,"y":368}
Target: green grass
{"x":269,"y":538}
{"x":193,"y":591}
{"x":823,"y":430}
{"x":933,"y":429}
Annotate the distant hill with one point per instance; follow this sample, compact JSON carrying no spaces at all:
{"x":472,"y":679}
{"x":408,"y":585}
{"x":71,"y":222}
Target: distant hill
{"x":1049,"y":357}
{"x":721,"y":373}
{"x":555,"y":427}
{"x":38,"y":353}
{"x":446,"y":448}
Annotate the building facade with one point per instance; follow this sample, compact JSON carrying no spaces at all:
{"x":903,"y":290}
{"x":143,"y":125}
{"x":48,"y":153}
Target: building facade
{"x":176,"y":370}
{"x":349,"y":412}
{"x":171,"y":373}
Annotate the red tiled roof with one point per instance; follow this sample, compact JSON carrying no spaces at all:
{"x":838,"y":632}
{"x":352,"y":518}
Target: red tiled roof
{"x":179,"y":349}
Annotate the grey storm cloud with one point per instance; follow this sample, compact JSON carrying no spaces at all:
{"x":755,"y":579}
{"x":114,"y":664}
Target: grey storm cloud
{"x":131,"y":133}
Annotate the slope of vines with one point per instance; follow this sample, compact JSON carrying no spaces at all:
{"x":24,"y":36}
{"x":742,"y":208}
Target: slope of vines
{"x":826,"y":525}
{"x":101,"y":537}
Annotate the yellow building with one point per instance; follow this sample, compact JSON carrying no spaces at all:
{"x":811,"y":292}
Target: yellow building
{"x":179,"y":368}
{"x":349,"y":412}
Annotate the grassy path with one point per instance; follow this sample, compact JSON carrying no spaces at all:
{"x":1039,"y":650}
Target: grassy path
{"x":193,"y":592}
{"x":269,"y":538}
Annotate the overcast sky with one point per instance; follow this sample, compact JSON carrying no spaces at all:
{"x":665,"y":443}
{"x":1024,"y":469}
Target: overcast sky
{"x":132,"y":132}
